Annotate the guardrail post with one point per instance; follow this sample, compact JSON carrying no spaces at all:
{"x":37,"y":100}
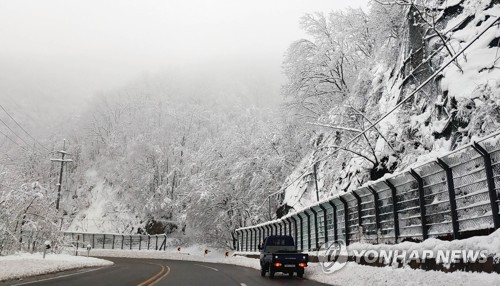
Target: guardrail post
{"x":103,"y":240}
{"x":451,"y":196}
{"x":491,"y":183}
{"x":287,"y":228}
{"x":130,"y":242}
{"x":242,"y":236}
{"x":334,"y":213}
{"x":156,"y":243}
{"x":252,"y":239}
{"x":394,"y":209}
{"x":421,"y":201}
{"x":246,"y":240}
{"x":346,"y":220}
{"x":308,"y":230}
{"x":376,"y":206}
{"x":325,"y":222}
{"x":77,"y":240}
{"x":255,"y":239}
{"x":241,"y":245}
{"x":123,"y":238}
{"x":316,"y":228}
{"x":93,"y":241}
{"x":301,"y":232}
{"x":258,"y":235}
{"x":275,"y":226}
{"x":140,"y":241}
{"x":149,"y":240}
{"x":358,"y":201}
{"x":237,"y":245}
{"x":113,"y":244}
{"x":296,"y":232}
{"x":281,"y":229}
{"x":237,"y":240}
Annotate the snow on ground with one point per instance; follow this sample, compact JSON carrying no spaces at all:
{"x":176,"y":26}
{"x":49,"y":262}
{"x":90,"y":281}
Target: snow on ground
{"x":490,"y":244}
{"x":355,"y":274}
{"x":26,"y":264}
{"x":351,"y":274}
{"x":103,"y":215}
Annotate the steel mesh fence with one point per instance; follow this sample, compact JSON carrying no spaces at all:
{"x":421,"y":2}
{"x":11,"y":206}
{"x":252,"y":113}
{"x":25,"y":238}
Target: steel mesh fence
{"x":450,"y":197}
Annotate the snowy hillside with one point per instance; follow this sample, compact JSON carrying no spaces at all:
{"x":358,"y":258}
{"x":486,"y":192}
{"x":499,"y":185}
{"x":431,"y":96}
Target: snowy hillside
{"x":194,"y":155}
{"x":459,"y":103}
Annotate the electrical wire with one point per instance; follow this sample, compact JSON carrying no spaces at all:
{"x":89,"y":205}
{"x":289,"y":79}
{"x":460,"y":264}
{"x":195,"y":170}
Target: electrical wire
{"x":8,"y":127}
{"x":19,"y":125}
{"x":13,"y":141}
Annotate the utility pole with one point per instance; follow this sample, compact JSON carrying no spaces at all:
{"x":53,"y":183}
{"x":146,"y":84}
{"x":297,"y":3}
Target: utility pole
{"x":62,"y":160}
{"x":316,"y":182}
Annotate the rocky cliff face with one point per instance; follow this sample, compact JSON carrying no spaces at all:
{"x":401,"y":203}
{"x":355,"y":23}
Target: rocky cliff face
{"x":457,"y":104}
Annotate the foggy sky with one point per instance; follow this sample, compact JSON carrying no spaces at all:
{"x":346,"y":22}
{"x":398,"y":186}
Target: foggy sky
{"x":73,"y":49}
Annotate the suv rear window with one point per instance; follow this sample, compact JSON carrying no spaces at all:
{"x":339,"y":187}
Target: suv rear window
{"x":280,"y":241}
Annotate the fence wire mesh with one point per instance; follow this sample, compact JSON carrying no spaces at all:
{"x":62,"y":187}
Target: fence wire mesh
{"x":448,"y":198}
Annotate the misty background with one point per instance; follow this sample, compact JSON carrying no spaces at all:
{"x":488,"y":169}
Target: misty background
{"x":56,"y":55}
{"x":197,"y":118}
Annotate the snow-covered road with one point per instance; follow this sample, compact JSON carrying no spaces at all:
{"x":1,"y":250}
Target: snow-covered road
{"x":24,"y":265}
{"x":351,"y":274}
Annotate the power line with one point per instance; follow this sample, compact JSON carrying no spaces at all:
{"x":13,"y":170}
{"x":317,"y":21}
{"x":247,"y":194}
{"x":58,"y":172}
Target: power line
{"x":14,"y":132}
{"x":8,"y":114}
{"x":13,"y":141}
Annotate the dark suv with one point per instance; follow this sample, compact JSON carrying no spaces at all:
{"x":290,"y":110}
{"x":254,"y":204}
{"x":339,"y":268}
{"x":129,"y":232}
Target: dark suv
{"x":279,"y":254}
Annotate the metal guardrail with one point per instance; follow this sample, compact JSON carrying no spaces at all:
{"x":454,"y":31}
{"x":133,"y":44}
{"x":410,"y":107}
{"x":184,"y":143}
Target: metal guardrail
{"x":119,"y":241}
{"x":453,"y":196}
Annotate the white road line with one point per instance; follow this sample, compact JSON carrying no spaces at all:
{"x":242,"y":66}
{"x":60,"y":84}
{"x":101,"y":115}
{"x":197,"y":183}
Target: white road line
{"x":243,"y":284}
{"x":57,"y":277}
{"x":215,"y":269}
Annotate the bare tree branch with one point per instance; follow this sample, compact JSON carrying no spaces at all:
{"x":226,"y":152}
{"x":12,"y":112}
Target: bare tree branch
{"x":335,"y":127}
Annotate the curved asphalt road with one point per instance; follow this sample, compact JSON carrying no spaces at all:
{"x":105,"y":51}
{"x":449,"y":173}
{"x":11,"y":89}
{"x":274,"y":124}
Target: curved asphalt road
{"x":144,"y":272}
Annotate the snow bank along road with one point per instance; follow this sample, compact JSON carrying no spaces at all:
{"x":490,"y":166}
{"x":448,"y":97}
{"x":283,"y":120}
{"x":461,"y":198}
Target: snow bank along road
{"x":143,"y":272}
